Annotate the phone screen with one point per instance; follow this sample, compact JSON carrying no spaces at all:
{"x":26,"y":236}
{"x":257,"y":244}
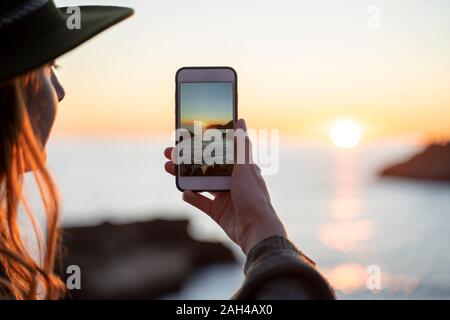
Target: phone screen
{"x":205,"y":106}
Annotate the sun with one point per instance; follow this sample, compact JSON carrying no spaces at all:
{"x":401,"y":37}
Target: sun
{"x":345,"y":133}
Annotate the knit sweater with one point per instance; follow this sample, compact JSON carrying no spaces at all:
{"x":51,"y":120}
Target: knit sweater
{"x":276,"y":269}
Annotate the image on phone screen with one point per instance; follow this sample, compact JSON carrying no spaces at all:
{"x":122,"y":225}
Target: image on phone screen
{"x":209,"y":104}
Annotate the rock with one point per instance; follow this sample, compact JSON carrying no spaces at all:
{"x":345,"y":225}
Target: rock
{"x":142,"y":260}
{"x":228,"y":125}
{"x":431,"y":164}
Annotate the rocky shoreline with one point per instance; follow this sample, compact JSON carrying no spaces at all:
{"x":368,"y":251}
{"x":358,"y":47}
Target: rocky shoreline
{"x":433,"y":163}
{"x":142,"y":260}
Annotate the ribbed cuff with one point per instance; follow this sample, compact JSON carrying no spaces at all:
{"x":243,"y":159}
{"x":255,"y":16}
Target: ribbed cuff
{"x":270,"y":244}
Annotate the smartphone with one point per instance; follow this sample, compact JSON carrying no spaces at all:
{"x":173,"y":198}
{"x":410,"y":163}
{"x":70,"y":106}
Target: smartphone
{"x":206,"y":112}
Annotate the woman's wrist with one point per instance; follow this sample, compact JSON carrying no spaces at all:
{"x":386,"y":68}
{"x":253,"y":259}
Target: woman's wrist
{"x":262,"y":230}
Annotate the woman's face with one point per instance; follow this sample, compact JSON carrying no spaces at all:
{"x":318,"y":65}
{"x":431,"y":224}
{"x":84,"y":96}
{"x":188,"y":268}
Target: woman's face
{"x":43,"y":102}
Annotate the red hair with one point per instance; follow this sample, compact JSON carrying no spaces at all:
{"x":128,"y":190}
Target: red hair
{"x":21,"y":275}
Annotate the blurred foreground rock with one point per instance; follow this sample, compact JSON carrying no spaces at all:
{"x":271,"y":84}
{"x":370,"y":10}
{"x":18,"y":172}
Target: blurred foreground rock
{"x":431,"y":164}
{"x":142,"y":260}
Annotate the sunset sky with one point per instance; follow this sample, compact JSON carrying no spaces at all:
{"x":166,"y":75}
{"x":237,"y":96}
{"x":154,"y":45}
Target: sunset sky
{"x":301,"y":65}
{"x":211,"y":103}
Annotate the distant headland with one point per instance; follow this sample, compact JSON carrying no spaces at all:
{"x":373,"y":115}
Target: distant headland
{"x":433,"y":163}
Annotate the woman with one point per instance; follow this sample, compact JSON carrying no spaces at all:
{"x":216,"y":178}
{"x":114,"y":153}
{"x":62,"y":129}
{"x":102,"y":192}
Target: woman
{"x":33,"y":33}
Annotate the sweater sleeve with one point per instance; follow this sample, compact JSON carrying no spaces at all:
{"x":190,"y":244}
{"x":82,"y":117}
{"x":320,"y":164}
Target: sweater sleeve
{"x":276,"y":269}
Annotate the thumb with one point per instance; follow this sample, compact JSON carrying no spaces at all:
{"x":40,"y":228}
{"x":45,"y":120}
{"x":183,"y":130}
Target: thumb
{"x":242,"y":144}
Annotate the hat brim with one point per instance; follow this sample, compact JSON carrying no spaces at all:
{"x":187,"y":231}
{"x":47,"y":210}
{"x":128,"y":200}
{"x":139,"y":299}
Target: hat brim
{"x":51,"y":45}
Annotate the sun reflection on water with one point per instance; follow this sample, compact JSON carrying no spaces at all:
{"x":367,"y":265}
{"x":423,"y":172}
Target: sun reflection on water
{"x":353,"y":277}
{"x":348,"y":230}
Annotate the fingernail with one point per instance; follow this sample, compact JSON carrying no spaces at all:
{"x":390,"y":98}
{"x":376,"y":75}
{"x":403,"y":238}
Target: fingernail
{"x":241,"y":124}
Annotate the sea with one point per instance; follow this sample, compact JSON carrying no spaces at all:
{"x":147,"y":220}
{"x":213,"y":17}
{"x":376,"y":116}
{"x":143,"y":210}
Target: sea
{"x":371,"y":237}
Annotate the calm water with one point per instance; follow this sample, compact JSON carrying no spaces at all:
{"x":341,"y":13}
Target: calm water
{"x":334,"y":206}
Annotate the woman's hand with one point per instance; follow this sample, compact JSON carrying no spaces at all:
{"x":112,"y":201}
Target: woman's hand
{"x":245,"y":213}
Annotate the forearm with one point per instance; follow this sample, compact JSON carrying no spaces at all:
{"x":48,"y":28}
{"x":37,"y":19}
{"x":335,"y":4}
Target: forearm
{"x":276,"y":269}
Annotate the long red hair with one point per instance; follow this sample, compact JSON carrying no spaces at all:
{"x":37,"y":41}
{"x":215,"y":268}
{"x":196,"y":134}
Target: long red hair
{"x":22,"y":275}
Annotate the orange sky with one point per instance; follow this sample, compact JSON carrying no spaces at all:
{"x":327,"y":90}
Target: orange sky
{"x":300,"y":66}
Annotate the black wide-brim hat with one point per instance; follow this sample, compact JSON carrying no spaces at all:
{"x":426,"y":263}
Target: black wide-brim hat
{"x":35,"y":32}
